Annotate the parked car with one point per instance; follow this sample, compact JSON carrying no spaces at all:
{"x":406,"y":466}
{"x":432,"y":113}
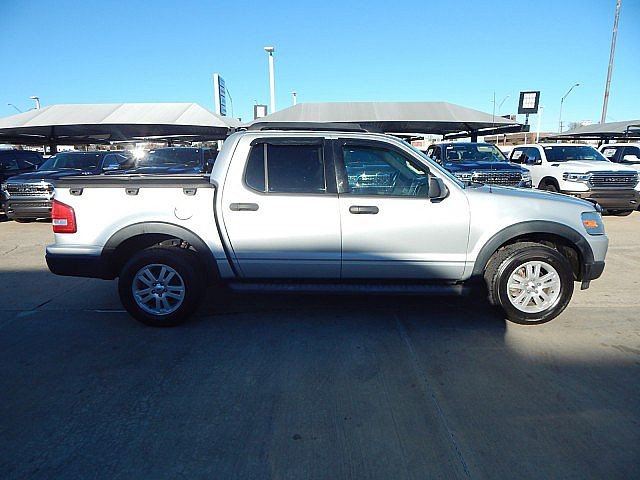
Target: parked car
{"x":627,"y":154}
{"x":28,"y":196}
{"x":580,"y":171}
{"x":282,"y":212}
{"x":14,"y":162}
{"x":479,"y":162}
{"x":174,"y":161}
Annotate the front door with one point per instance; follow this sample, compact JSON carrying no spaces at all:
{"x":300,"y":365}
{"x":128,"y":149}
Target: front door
{"x":390,"y":228}
{"x":283,"y":218}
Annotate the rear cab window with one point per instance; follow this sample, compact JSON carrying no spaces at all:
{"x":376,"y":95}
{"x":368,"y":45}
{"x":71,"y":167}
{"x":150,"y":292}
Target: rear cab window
{"x":286,"y":168}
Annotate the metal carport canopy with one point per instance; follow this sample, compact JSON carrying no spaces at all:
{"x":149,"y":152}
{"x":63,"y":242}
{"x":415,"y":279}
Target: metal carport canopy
{"x":394,"y":117}
{"x":602,"y":131}
{"x":103,"y":123}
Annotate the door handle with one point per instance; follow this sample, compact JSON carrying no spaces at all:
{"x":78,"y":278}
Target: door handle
{"x":363,"y":209}
{"x":244,"y":207}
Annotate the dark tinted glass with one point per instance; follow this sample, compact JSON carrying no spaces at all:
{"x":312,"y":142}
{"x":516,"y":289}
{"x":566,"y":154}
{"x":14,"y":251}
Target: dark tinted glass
{"x":295,"y":168}
{"x":563,"y":153}
{"x":76,"y":161}
{"x":171,"y":157}
{"x":254,"y":173}
{"x":377,"y":171}
{"x":8,"y":163}
{"x":475,"y":152}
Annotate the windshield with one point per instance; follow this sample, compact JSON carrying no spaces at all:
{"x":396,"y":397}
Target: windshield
{"x":171,"y":157}
{"x":564,"y":153}
{"x":72,"y":161}
{"x":473,"y":152}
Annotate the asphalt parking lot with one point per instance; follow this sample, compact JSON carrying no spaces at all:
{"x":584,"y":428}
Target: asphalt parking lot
{"x":310,"y":387}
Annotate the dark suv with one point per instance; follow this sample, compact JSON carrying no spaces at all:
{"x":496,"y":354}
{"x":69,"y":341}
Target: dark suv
{"x":174,"y":161}
{"x":479,"y":162}
{"x":28,"y":196}
{"x":14,"y":162}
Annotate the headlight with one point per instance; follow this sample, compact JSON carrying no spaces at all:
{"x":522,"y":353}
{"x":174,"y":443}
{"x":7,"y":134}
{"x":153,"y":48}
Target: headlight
{"x":3,"y":187}
{"x":576,"y":177}
{"x":592,"y":222}
{"x":526,"y":177}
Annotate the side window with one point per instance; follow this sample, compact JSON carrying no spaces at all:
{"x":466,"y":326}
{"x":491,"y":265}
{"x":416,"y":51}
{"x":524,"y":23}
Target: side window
{"x":517,"y":156}
{"x":431,"y":152}
{"x":533,"y":154}
{"x":286,"y":169}
{"x":610,"y":153}
{"x":378,"y":171}
{"x":436,"y":153}
{"x":8,"y":163}
{"x":631,"y":151}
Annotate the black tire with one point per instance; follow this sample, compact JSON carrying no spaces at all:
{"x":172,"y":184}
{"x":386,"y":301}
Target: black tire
{"x":622,"y":213}
{"x":550,"y":187}
{"x":24,"y":220}
{"x":506,"y":260}
{"x":189,"y":276}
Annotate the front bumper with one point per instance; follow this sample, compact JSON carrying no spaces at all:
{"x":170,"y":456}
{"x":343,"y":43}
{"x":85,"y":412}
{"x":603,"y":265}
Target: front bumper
{"x":611,"y":200}
{"x":28,"y":208}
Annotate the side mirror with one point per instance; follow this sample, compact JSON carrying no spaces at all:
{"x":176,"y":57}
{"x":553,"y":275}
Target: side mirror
{"x":437,"y":189}
{"x":209,"y":165}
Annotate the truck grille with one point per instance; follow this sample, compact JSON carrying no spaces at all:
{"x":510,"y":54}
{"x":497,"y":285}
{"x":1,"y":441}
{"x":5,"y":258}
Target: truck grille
{"x":511,"y":179}
{"x":613,"y":179}
{"x":30,"y":190}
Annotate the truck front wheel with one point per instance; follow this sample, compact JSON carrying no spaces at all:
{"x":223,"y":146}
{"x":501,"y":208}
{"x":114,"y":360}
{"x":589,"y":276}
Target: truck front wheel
{"x":161,"y":286}
{"x":532,"y":283}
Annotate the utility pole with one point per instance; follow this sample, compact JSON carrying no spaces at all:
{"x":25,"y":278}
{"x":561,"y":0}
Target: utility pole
{"x":295,"y":97}
{"x":613,"y":49}
{"x":272,"y":82}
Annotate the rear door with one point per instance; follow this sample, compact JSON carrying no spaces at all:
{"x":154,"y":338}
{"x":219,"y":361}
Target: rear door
{"x":281,"y":209}
{"x":390,"y":228}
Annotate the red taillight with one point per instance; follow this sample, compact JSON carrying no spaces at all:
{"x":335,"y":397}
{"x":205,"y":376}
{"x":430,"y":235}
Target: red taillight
{"x":63,"y":218}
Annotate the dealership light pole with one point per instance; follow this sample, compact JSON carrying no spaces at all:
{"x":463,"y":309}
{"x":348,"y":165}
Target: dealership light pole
{"x":562,"y":102}
{"x":613,"y":49}
{"x":12,"y":105}
{"x":272,"y":81}
{"x":539,"y":122}
{"x":37,"y":99}
{"x":295,"y":97}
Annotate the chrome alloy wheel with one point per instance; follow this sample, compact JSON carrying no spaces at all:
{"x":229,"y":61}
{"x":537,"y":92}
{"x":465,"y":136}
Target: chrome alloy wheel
{"x":158,"y":289}
{"x":534,"y":287}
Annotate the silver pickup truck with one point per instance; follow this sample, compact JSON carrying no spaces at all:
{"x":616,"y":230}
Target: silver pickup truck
{"x":323,"y":210}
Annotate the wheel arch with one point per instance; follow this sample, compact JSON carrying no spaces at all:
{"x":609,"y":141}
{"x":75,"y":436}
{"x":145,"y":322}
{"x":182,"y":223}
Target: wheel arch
{"x":133,"y":238}
{"x":548,"y":180}
{"x":565,"y":239}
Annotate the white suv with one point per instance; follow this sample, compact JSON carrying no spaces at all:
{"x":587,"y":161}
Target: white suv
{"x":581,"y":171}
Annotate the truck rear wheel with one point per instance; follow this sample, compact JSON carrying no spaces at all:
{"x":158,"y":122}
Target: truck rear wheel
{"x":161,"y":286}
{"x":532,"y":283}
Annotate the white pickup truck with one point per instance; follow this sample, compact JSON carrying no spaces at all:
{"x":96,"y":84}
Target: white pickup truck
{"x":580,"y":171}
{"x":329,"y":209}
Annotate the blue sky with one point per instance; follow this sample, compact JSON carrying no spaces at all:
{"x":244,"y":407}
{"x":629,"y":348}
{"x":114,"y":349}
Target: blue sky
{"x":72,"y":51}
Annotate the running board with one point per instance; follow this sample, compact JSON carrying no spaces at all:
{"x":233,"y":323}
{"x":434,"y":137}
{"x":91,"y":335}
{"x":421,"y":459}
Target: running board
{"x":350,"y":288}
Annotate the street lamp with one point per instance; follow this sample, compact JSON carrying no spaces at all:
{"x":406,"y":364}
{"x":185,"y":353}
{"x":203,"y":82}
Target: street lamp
{"x":295,"y":97}
{"x":12,"y":105}
{"x":272,"y":82}
{"x":37,"y":99}
{"x":562,"y":102}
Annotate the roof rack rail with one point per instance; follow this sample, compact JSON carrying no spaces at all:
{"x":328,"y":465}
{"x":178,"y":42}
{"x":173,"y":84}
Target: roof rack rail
{"x":322,"y":126}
